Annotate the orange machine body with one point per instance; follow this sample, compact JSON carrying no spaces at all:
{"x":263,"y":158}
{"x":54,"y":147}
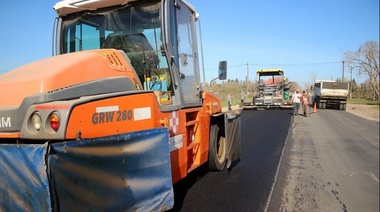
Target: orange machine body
{"x":62,"y":71}
{"x":188,"y":128}
{"x":104,"y":114}
{"x":120,"y":113}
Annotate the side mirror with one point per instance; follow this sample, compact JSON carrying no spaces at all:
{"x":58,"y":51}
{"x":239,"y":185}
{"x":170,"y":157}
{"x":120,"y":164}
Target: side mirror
{"x":222,"y":70}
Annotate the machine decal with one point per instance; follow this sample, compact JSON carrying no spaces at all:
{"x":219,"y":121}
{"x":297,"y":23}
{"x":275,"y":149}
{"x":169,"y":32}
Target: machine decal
{"x":124,"y":115}
{"x":110,"y":114}
{"x":107,"y":109}
{"x":142,"y":113}
{"x":51,"y":107}
{"x":5,"y":122}
{"x":175,"y":142}
{"x":173,"y":122}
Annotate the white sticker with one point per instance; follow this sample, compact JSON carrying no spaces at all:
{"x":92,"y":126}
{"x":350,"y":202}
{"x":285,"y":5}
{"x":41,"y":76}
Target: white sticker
{"x":107,"y":109}
{"x":142,"y":113}
{"x":175,"y":142}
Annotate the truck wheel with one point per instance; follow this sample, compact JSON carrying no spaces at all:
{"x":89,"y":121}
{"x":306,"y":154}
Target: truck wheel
{"x":320,"y":105}
{"x":218,"y":149}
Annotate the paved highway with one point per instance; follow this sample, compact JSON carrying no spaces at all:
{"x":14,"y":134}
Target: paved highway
{"x":330,"y":162}
{"x":248,"y":185}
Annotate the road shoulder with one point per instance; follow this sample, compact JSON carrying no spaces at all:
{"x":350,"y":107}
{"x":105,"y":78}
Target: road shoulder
{"x":302,"y":184}
{"x":370,"y":112}
{"x":328,"y":170}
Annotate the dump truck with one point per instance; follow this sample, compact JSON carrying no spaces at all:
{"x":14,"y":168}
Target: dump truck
{"x":330,"y":94}
{"x":272,"y":90}
{"x":116,"y":116}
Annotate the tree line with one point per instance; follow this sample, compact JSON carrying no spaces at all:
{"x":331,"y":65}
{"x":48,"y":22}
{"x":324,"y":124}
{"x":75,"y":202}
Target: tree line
{"x":364,"y":61}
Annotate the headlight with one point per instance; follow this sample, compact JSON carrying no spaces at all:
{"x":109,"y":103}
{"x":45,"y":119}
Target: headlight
{"x":36,"y":121}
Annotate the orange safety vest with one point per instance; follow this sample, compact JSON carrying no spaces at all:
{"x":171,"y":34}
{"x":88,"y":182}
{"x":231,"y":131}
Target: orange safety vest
{"x":305,"y":98}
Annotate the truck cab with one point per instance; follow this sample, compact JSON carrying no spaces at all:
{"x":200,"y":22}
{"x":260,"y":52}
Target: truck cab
{"x":161,"y":48}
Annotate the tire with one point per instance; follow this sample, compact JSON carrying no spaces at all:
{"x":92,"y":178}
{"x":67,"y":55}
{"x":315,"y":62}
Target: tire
{"x":218,"y":149}
{"x":320,"y":105}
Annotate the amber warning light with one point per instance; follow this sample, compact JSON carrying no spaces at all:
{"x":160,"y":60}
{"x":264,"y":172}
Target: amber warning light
{"x":54,"y":121}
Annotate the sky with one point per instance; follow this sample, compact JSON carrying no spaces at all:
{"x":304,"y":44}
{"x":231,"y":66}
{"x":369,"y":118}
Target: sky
{"x":305,"y":38}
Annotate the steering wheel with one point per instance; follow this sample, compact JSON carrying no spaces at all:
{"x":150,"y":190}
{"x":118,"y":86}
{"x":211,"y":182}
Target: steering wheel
{"x":155,"y":80}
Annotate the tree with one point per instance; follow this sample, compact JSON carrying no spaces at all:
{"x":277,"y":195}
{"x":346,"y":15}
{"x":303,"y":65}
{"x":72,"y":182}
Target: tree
{"x":314,"y":77}
{"x":366,"y":61}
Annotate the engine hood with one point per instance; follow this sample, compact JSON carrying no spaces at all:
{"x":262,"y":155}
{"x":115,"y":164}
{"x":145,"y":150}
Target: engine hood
{"x":64,"y":71}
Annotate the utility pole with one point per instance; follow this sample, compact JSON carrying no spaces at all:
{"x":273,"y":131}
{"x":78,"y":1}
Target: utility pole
{"x":350,"y":82}
{"x":342,"y":71}
{"x":246,"y":80}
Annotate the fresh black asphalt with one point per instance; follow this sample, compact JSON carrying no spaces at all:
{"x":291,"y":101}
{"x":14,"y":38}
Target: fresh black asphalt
{"x":247,"y":185}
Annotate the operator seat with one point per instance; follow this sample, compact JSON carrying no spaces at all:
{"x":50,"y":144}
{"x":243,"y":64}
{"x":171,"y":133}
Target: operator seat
{"x":135,"y":46}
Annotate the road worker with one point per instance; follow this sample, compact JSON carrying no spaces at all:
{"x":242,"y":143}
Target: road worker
{"x":285,"y":81}
{"x":229,"y":99}
{"x":296,"y":101}
{"x":305,"y":103}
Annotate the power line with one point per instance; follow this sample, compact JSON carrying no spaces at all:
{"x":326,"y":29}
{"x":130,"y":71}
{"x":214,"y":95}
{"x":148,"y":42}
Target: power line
{"x":281,"y":64}
{"x":298,"y":64}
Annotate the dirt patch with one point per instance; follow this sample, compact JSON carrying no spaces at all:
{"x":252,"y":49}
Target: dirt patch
{"x":370,"y":112}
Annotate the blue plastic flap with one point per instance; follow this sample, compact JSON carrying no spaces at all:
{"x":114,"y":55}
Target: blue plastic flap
{"x":23,"y":178}
{"x":127,"y":172}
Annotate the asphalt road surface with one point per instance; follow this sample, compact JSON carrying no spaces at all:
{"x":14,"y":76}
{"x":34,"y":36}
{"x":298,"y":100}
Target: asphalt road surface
{"x":331,"y":163}
{"x":328,"y":161}
{"x":248,"y":185}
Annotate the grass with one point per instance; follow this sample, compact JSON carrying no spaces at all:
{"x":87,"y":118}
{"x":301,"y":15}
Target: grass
{"x":365,"y":102}
{"x":362,"y":101}
{"x":234,"y":102}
